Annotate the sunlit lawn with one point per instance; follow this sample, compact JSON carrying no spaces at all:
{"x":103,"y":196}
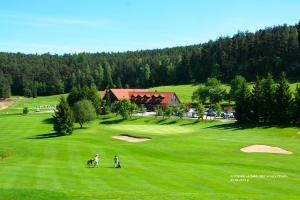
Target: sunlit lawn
{"x":184,"y":159}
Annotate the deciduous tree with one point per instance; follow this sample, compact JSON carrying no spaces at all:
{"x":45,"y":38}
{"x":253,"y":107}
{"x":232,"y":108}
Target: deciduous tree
{"x":200,"y":111}
{"x":84,"y":112}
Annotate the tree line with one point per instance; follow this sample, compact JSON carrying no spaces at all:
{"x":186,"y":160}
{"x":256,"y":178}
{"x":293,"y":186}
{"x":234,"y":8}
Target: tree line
{"x":267,"y":101}
{"x":273,"y":49}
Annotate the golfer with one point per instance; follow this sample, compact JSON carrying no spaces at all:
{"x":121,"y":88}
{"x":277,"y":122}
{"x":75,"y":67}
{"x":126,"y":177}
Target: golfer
{"x":96,"y":160}
{"x":116,"y":161}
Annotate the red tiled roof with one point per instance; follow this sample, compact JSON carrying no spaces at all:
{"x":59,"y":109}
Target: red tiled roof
{"x":123,"y":93}
{"x":142,"y":96}
{"x":165,"y":97}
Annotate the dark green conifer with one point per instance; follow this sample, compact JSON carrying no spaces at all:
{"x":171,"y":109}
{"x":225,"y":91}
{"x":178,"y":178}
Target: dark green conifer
{"x":63,"y":118}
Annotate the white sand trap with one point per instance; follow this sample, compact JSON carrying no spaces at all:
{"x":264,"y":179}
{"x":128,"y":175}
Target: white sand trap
{"x":1,"y":108}
{"x":264,"y":149}
{"x":130,"y":138}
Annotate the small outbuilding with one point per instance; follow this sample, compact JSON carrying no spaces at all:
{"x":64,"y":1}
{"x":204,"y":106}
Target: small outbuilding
{"x":192,"y":113}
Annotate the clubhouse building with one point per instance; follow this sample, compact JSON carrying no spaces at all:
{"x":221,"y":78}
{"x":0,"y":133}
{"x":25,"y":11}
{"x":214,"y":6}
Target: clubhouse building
{"x":143,"y":96}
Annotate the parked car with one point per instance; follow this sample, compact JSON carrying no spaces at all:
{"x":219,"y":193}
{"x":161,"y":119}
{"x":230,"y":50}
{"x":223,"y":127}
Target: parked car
{"x":211,"y":113}
{"x":228,"y":115}
{"x":222,"y":114}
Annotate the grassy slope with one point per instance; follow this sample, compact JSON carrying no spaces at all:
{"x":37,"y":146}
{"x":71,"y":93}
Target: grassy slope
{"x":184,"y":160}
{"x":185,"y":92}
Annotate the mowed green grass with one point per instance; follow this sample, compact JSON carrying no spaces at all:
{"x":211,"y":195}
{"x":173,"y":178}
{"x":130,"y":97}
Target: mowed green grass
{"x":184,"y":159}
{"x":185,"y":92}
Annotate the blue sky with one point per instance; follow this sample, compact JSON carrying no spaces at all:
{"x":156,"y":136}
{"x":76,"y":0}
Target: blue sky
{"x":74,"y":26}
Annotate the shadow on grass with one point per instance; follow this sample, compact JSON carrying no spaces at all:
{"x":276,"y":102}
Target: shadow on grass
{"x":91,"y":166}
{"x":171,"y":122}
{"x":45,"y":136}
{"x":239,"y":126}
{"x":78,"y":128}
{"x":149,"y":120}
{"x":161,"y":120}
{"x":192,"y":123}
{"x":105,"y":117}
{"x":115,"y":121}
{"x":48,"y":121}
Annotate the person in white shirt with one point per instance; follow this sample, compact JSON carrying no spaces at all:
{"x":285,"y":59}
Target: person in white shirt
{"x":96,"y":160}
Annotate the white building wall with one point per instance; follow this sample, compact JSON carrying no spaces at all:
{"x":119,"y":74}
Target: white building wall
{"x":173,"y":101}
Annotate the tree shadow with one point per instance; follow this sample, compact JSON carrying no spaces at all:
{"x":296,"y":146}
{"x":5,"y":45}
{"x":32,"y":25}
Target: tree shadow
{"x":104,"y":117}
{"x":148,"y":120}
{"x":45,"y":136}
{"x":48,"y":121}
{"x":192,"y":123}
{"x":243,"y":126}
{"x":161,"y":120}
{"x":171,"y":122}
{"x":116,"y":121}
{"x":78,"y":128}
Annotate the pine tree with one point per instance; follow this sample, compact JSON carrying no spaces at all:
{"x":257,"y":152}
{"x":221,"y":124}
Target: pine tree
{"x":63,"y":118}
{"x":296,"y":105}
{"x":107,"y":76}
{"x":243,"y":108}
{"x":256,"y":101}
{"x":74,"y":96}
{"x":283,"y":100}
{"x":268,"y":100}
{"x":119,"y":83}
{"x":107,"y":98}
{"x":235,"y":85}
{"x":94,"y":97}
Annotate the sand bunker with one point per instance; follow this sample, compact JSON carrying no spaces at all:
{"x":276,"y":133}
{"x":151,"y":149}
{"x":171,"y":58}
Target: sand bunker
{"x":264,"y":149}
{"x":130,"y":138}
{"x":4,"y":103}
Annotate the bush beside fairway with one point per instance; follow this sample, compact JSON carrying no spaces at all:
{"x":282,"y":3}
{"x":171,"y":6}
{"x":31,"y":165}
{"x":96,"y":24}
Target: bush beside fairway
{"x":184,"y":159}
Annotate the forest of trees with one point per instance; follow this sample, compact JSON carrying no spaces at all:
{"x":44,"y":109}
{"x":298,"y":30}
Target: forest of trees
{"x":271,"y":50}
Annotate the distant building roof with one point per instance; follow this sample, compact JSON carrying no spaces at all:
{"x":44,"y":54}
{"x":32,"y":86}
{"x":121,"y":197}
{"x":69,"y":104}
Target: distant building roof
{"x":143,"y":96}
{"x":123,"y":93}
